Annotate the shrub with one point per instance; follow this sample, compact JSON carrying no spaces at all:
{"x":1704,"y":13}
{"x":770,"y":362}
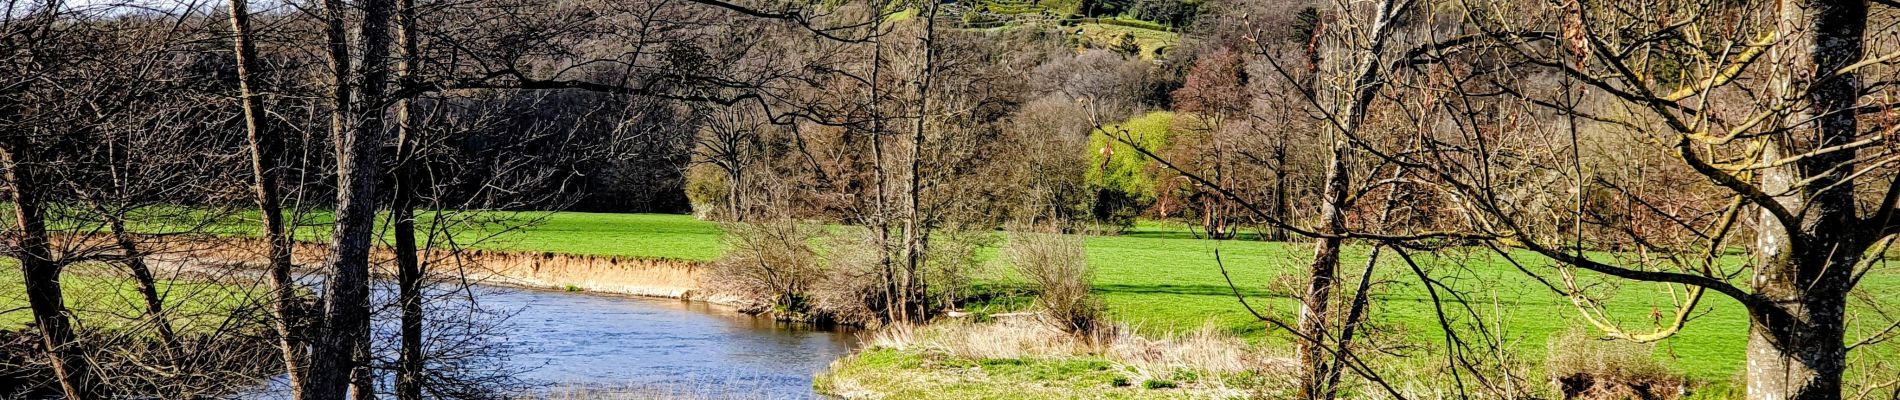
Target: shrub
{"x":772,"y":264}
{"x":810,"y":273}
{"x":853,"y":289}
{"x":1058,"y":269}
{"x":706,"y":191}
{"x":1582,"y":366}
{"x":1158,"y":384}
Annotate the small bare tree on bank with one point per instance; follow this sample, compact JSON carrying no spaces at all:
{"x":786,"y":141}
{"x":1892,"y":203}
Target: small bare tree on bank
{"x":1057,"y":268}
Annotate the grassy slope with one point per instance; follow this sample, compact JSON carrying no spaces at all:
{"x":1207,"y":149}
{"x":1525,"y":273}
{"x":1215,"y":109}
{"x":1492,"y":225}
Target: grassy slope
{"x":915,"y":375}
{"x":1149,"y":39}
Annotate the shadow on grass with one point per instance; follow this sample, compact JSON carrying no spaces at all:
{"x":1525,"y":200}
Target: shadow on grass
{"x":1185,"y":290}
{"x":1184,"y":234}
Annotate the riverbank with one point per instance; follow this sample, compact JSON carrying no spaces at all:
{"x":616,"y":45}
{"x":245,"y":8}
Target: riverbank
{"x":1022,"y":358}
{"x":1160,"y":280}
{"x":621,"y":275}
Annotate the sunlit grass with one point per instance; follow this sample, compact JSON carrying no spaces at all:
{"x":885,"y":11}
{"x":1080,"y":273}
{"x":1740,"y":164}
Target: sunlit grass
{"x":1149,"y":39}
{"x":1160,"y":279}
{"x":104,"y":297}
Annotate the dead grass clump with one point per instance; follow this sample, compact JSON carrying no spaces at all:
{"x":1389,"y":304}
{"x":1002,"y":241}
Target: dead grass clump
{"x":1008,"y":338}
{"x":1583,"y":367}
{"x":1206,"y":350}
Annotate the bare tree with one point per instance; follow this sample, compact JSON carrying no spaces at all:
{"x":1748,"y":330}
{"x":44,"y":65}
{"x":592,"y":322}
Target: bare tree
{"x":356,"y":126}
{"x":731,"y":140}
{"x":265,"y":178}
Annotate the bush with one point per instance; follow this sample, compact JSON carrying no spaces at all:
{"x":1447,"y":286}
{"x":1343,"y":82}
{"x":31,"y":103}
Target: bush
{"x":1057,"y":267}
{"x":853,"y":290}
{"x":1582,"y":366}
{"x":773,"y":265}
{"x":806,"y":272}
{"x":706,"y":190}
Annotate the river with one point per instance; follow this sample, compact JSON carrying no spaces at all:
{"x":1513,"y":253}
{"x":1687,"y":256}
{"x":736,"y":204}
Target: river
{"x":601,"y":341}
{"x":605,"y":345}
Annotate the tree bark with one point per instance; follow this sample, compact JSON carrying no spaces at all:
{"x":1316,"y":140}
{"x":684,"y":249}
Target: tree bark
{"x":1321,"y":277}
{"x":341,"y":354}
{"x":148,"y":284}
{"x":881,"y":220}
{"x":409,"y":273}
{"x":41,"y":273}
{"x":264,"y":187}
{"x":1797,"y":315}
{"x":1354,"y":91}
{"x":916,"y":236}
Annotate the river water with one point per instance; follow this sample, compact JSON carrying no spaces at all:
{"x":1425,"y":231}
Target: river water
{"x":599,"y":341}
{"x":587,"y":345}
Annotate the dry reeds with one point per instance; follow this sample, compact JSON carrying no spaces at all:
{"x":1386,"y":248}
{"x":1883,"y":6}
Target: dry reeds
{"x":1205,"y":350}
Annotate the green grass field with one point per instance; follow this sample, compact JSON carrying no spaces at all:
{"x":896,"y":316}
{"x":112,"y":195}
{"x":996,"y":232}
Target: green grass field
{"x":103,"y":297}
{"x":629,"y":235}
{"x":1160,"y":279}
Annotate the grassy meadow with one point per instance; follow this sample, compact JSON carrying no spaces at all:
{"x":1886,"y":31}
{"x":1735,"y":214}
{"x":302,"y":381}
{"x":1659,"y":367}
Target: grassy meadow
{"x":1161,"y":280}
{"x":104,"y":297}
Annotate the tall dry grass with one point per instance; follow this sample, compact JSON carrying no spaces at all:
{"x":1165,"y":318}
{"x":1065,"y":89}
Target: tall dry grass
{"x":646,"y":393}
{"x":1205,"y":350}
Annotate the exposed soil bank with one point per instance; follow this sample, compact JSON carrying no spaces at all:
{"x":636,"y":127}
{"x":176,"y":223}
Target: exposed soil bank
{"x":649,"y":277}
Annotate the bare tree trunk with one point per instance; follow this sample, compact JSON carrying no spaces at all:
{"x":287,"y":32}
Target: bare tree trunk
{"x":735,"y":184}
{"x":148,"y":284}
{"x":1315,"y":309}
{"x":1353,"y":95}
{"x":264,"y":187}
{"x":41,"y":274}
{"x":341,"y":354}
{"x":882,"y":220}
{"x":1279,"y":191}
{"x":1795,"y":346}
{"x":402,"y":211}
{"x":916,"y":238}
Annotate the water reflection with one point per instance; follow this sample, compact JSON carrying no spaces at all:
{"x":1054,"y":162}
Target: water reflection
{"x":596,"y":341}
{"x":584,"y":344}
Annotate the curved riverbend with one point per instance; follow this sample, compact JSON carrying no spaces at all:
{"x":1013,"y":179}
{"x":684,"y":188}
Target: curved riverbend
{"x":605,"y":342}
{"x":588,"y":345}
